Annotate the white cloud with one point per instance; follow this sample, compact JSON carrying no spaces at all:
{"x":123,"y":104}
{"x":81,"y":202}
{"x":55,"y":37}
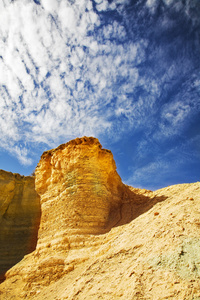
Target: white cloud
{"x":21,"y":154}
{"x":50,"y":5}
{"x":151,"y":3}
{"x":176,"y":113}
{"x":8,"y":130}
{"x":102,"y":6}
{"x":174,"y":118}
{"x":168,"y":2}
{"x":67,"y":17}
{"x":152,"y":175}
{"x":58,"y":80}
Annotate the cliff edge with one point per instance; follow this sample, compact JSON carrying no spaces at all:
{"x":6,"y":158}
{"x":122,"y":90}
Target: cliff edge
{"x":101,"y":239}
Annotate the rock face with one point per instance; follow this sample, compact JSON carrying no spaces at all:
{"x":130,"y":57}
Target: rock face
{"x":100,"y":239}
{"x":19,"y":218}
{"x":80,"y":179}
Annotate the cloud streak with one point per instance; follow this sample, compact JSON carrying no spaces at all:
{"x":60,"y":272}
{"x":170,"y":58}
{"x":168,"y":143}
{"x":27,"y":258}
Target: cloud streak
{"x":92,"y":68}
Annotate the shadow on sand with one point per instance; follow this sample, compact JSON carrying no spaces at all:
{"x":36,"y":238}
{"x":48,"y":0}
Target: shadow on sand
{"x":135,"y":203}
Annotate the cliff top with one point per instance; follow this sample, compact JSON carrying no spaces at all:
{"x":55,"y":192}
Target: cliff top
{"x":89,"y":141}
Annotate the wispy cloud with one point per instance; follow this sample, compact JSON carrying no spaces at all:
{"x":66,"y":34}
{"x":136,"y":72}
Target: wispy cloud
{"x":70,"y":68}
{"x":156,"y":168}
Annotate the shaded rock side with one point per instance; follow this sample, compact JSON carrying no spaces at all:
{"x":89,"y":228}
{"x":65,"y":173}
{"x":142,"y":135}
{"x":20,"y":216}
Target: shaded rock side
{"x":19,"y":218}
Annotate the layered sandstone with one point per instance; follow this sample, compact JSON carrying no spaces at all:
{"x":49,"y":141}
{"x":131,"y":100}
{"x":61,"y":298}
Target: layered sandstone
{"x":80,"y":194}
{"x":100,"y":239}
{"x":19,"y":218}
{"x":80,"y":180}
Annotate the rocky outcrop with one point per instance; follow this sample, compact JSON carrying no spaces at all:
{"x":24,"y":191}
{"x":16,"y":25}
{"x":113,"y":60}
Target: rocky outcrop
{"x":80,"y":180}
{"x":100,"y":239}
{"x":81,"y":194}
{"x":19,"y":218}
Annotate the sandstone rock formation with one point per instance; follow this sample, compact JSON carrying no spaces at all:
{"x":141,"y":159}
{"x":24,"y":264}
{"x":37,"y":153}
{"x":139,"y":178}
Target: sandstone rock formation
{"x":80,"y":179}
{"x":100,"y":239}
{"x":19,"y":218}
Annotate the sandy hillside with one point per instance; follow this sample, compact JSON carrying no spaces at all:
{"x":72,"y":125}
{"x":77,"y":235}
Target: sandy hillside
{"x":99,"y":238}
{"x":156,"y":256}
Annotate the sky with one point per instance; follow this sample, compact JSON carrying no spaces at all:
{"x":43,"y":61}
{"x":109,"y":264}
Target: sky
{"x":124,"y":71}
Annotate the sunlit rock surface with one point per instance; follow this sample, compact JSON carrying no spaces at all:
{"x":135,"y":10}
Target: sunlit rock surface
{"x":19,"y":218}
{"x":79,"y":188}
{"x":100,"y":239}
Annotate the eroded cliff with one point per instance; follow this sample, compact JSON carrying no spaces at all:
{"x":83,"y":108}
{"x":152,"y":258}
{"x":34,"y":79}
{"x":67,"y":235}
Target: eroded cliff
{"x":100,"y":239}
{"x":19,"y":218}
{"x":80,"y":179}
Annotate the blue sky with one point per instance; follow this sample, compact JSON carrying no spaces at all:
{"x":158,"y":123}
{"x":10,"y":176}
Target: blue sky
{"x":126,"y":72}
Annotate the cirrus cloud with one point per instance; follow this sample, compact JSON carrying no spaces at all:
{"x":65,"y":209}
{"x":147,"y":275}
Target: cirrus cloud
{"x":73,"y":68}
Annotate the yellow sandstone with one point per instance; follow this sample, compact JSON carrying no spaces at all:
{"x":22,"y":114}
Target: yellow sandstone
{"x":101,"y":239}
{"x":19,"y":218}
